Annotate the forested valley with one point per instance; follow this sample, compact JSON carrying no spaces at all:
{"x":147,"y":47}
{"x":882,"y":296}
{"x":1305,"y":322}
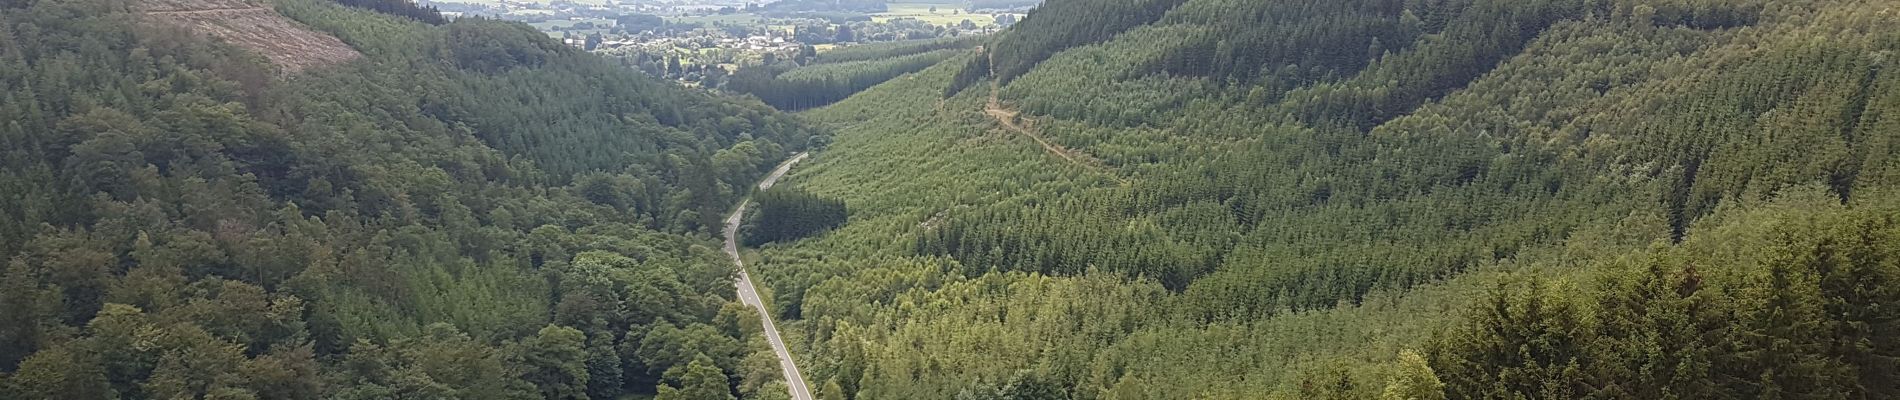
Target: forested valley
{"x":1399,"y":199}
{"x":470,"y":210}
{"x":818,"y":79}
{"x":1112,"y":199}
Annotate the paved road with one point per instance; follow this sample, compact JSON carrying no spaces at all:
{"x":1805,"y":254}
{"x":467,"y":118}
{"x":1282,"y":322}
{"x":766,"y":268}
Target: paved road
{"x":750,"y":296}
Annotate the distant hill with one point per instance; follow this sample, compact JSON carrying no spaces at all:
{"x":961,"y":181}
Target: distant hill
{"x":978,"y":5}
{"x":865,"y":6}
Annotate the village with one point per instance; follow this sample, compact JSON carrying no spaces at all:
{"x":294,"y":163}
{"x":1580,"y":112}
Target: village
{"x":714,"y":26}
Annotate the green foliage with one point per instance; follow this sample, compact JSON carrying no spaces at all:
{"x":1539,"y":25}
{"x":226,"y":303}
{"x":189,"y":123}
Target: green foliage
{"x":1772,"y":301}
{"x":1061,"y":24}
{"x":404,"y":8}
{"x":1281,"y":219}
{"x":694,"y":381}
{"x":495,"y":87}
{"x":471,"y":210}
{"x":886,"y":50}
{"x":554,"y":361}
{"x":816,"y":85}
{"x":1414,"y":380}
{"x":59,"y":373}
{"x":787,"y":214}
{"x":441,"y":362}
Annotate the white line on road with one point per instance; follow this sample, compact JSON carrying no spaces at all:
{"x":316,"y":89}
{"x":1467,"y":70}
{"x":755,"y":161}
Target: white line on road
{"x":794,"y":381}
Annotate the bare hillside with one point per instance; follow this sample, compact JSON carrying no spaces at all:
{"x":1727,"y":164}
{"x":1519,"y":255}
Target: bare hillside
{"x":253,"y":25}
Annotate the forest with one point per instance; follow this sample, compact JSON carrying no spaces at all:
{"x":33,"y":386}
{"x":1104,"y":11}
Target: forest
{"x":404,"y":8}
{"x":1112,"y":199}
{"x":1465,"y":199}
{"x":825,"y":78}
{"x":789,"y":214}
{"x":471,"y":210}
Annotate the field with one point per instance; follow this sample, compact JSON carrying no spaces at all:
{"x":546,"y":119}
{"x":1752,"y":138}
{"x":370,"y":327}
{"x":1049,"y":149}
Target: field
{"x":946,"y":14}
{"x":494,"y":2}
{"x":553,"y":28}
{"x":709,"y":20}
{"x":563,"y":23}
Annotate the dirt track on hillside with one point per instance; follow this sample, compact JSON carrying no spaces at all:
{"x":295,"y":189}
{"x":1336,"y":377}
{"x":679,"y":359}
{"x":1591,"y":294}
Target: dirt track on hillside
{"x":1014,"y":122}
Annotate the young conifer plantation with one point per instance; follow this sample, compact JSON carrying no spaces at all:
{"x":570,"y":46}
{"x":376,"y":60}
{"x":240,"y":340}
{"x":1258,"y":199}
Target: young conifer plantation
{"x":1109,"y":200}
{"x":1401,"y":199}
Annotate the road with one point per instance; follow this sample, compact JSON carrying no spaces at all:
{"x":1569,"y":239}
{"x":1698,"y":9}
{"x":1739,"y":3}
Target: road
{"x":748,"y":295}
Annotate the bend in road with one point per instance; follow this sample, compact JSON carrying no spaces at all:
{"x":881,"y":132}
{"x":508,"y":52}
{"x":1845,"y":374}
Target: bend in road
{"x":748,"y":295}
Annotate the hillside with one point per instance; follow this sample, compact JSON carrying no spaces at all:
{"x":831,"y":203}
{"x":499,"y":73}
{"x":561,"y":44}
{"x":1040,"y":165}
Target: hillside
{"x":1355,"y":199}
{"x":824,"y":78}
{"x":248,"y":24}
{"x":468,"y":210}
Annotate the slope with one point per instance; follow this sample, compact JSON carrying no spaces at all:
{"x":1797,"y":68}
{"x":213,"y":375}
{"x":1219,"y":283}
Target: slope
{"x":465,"y":211}
{"x":287,"y":44}
{"x":1295,"y":222}
{"x":749,"y":295}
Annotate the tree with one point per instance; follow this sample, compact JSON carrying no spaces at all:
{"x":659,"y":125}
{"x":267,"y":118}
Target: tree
{"x":1414,"y":380}
{"x":832,"y":391}
{"x":287,"y":373}
{"x":59,"y":373}
{"x":787,"y":214}
{"x":26,"y":312}
{"x":1526,"y":343}
{"x":196,"y":364}
{"x":845,"y":35}
{"x":698,"y":380}
{"x":555,"y":361}
{"x":604,"y":371}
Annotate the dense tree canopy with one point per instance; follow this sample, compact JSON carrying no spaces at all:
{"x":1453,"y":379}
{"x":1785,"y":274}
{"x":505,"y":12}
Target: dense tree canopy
{"x":787,"y":214}
{"x":1244,"y":199}
{"x":836,"y":74}
{"x":470,"y":211}
{"x":403,"y":8}
{"x":1128,"y":199}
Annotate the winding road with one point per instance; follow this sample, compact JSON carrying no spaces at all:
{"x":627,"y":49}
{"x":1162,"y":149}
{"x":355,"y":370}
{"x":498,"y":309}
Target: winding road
{"x":794,"y":381}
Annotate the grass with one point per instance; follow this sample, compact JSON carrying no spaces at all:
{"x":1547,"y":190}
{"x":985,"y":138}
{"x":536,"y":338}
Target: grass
{"x":947,"y":14}
{"x":562,"y":23}
{"x":493,"y":2}
{"x":550,"y":27}
{"x":709,"y":20}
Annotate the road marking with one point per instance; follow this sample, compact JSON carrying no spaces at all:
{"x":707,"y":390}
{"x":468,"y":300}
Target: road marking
{"x":794,"y":380}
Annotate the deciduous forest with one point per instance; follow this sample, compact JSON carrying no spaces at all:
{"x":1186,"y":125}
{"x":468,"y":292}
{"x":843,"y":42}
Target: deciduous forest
{"x":471,"y":210}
